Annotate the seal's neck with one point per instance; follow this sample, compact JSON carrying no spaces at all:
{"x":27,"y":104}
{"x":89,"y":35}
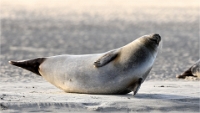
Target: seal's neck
{"x":139,"y":47}
{"x":130,"y":50}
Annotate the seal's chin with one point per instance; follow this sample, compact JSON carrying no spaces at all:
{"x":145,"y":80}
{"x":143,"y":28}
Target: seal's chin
{"x":160,"y":46}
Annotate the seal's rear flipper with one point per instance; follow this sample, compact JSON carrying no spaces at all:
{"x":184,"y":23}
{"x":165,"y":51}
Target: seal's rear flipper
{"x":106,"y":58}
{"x":31,"y":65}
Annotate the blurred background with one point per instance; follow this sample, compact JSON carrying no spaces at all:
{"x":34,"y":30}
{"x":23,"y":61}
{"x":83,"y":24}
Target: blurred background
{"x":39,"y":28}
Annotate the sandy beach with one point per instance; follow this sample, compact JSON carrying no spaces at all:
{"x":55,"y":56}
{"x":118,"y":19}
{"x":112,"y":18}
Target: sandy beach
{"x":34,"y":28}
{"x":153,"y":97}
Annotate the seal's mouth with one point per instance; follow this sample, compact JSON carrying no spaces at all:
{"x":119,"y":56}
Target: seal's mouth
{"x":155,"y":38}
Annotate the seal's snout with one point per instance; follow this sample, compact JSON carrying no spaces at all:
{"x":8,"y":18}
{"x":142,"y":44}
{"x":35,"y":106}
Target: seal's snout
{"x":156,"y":38}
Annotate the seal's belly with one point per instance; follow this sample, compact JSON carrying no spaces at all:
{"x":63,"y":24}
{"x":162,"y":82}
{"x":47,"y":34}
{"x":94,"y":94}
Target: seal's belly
{"x":77,"y":74}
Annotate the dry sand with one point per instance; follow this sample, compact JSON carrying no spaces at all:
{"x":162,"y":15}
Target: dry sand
{"x":153,"y":97}
{"x":35,"y":28}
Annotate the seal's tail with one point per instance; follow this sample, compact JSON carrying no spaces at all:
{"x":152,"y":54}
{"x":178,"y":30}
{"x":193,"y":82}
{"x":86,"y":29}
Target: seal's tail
{"x":31,"y":65}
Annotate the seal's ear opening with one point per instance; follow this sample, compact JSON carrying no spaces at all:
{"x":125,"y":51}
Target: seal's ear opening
{"x":30,"y":65}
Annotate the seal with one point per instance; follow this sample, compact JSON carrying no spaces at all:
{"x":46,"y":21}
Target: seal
{"x":118,"y":71}
{"x":193,"y":71}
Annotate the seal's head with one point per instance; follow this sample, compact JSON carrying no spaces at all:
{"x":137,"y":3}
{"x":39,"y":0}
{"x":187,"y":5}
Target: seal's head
{"x":140,"y":50}
{"x":153,"y":39}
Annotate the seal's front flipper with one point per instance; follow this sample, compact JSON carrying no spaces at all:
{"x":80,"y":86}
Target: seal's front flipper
{"x":31,"y":65}
{"x":137,"y":86}
{"x":106,"y":58}
{"x":185,"y":74}
{"x":193,"y":71}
